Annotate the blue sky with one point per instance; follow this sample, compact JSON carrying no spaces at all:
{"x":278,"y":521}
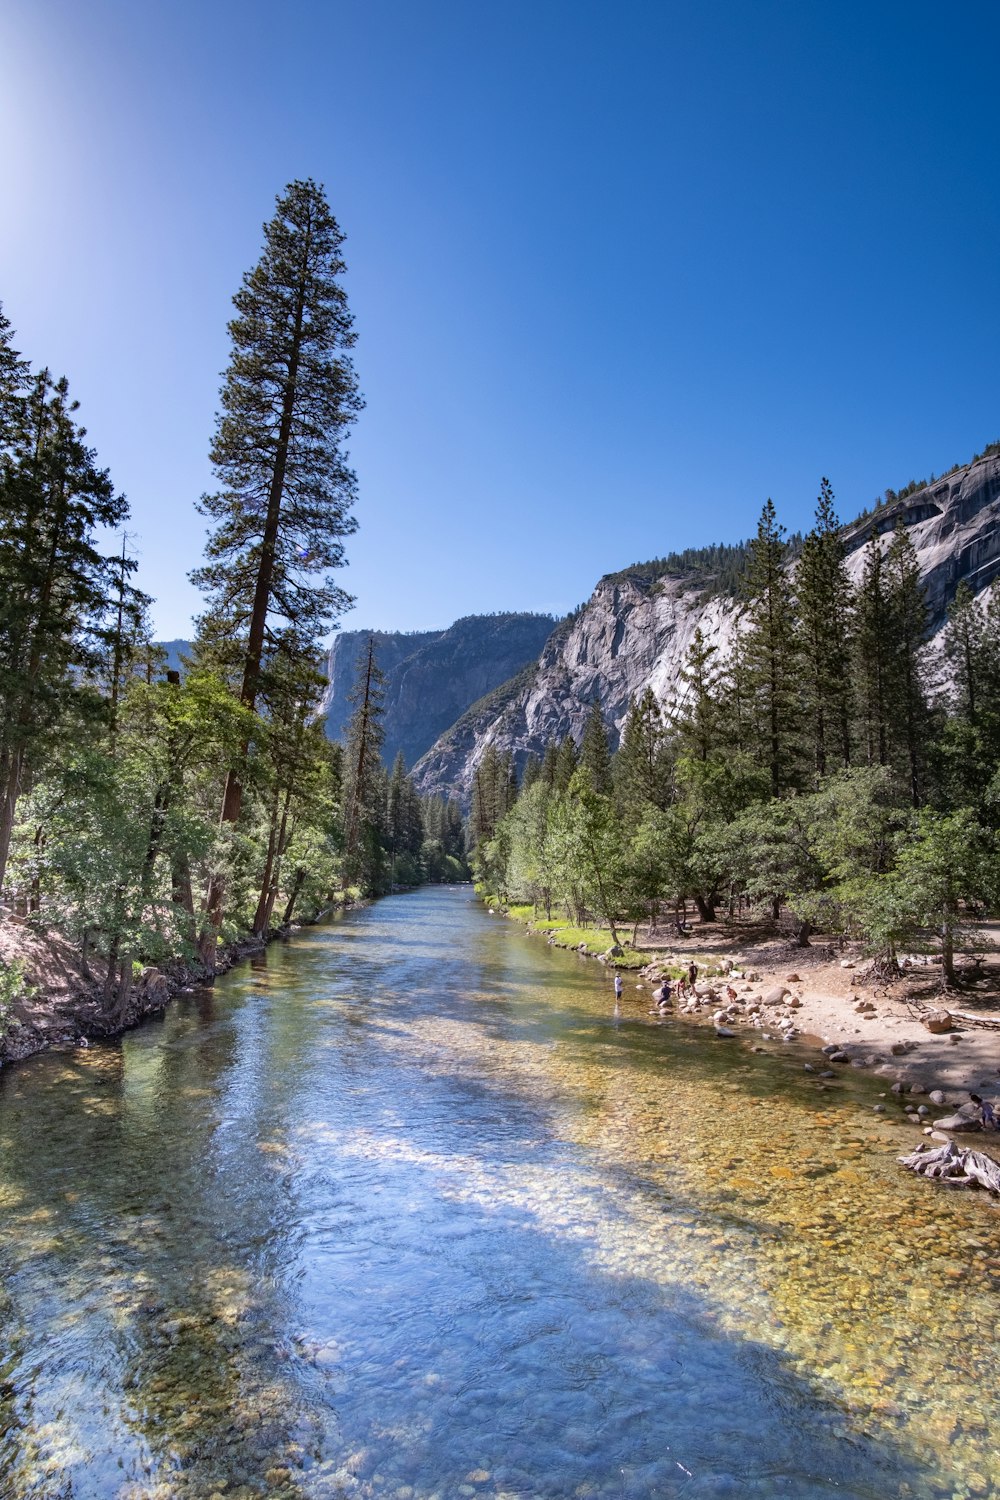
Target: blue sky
{"x":619,"y":271}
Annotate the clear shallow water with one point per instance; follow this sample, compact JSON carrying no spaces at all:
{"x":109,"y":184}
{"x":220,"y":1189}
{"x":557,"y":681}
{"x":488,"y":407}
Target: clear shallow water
{"x":406,"y":1210}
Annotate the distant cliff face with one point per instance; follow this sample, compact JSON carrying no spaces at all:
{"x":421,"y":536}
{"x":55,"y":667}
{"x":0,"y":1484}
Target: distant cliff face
{"x":431,"y":676}
{"x":633,"y":634}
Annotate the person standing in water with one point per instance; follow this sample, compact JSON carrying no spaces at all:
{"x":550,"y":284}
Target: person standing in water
{"x":618,"y":986}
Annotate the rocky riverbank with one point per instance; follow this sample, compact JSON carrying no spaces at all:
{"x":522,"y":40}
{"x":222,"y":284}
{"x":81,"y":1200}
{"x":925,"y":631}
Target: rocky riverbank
{"x":932,"y":1048}
{"x":61,"y":1005}
{"x":823,"y":998}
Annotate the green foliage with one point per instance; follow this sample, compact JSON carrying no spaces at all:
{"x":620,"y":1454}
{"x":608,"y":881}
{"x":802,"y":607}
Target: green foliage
{"x":13,"y":987}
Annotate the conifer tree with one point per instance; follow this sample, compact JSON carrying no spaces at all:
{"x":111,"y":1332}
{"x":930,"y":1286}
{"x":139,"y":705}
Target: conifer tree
{"x":771,"y":653}
{"x":873,"y":656}
{"x":641,"y":765}
{"x":364,"y":775}
{"x":567,"y":760}
{"x":698,"y":716}
{"x":289,"y":395}
{"x":594,"y":752}
{"x":824,"y":602}
{"x":908,"y":619}
{"x":550,"y":761}
{"x":54,"y":582}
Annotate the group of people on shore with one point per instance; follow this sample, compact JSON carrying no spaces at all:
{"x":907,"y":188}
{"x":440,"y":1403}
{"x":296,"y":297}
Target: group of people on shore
{"x":664,"y":993}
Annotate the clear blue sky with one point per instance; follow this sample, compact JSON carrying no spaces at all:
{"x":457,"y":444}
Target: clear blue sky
{"x":619,"y":271}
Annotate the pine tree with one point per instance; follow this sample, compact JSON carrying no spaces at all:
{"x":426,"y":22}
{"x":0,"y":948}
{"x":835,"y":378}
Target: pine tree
{"x":289,"y":395}
{"x":908,"y":623}
{"x":698,"y":715}
{"x":825,"y":602}
{"x":550,"y":761}
{"x":641,"y":765}
{"x":873,"y":655}
{"x":594,"y":752}
{"x":364,"y":776}
{"x":771,"y":654}
{"x":567,"y":760}
{"x":55,"y":586}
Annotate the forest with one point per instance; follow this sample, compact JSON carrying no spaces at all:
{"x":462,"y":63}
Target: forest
{"x":830,"y":774}
{"x":147,"y":813}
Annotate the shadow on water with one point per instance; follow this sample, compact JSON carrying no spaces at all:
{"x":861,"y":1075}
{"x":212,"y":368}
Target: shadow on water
{"x":312,"y":1241}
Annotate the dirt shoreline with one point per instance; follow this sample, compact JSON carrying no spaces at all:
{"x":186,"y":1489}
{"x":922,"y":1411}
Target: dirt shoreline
{"x":827,"y":986}
{"x":64,"y":1008}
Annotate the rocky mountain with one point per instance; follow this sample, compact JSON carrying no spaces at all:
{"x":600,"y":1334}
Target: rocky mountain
{"x":431,"y":676}
{"x":636,"y":629}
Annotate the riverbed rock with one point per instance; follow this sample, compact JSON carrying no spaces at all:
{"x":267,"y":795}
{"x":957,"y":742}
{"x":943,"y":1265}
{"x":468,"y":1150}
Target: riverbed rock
{"x":724,"y":1032}
{"x":775,"y":994}
{"x":957,"y":1123}
{"x":792,"y":979}
{"x":938,"y":1022}
{"x":936,"y":1096}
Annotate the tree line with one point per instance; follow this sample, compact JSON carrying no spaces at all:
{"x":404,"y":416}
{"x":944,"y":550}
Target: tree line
{"x":826,"y":771}
{"x":148,"y":813}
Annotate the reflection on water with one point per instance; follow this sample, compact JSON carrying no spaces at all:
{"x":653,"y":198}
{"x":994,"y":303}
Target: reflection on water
{"x":406,"y":1210}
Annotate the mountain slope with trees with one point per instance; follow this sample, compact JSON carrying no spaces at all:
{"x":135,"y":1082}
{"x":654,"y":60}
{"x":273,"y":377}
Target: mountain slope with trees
{"x":637,"y":628}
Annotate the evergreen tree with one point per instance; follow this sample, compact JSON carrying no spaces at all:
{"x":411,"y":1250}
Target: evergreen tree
{"x":873,"y":657}
{"x":594,"y":752}
{"x":698,"y":715}
{"x":771,"y":654}
{"x":567,"y":760}
{"x":290,"y":393}
{"x":642,"y":765}
{"x":364,"y":799}
{"x":824,"y":602}
{"x":55,"y":585}
{"x":550,"y":761}
{"x":908,"y":624}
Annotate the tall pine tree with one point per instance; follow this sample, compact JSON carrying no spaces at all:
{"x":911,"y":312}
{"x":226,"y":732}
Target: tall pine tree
{"x":283,"y":509}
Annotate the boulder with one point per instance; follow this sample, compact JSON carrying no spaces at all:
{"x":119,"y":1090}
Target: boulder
{"x":792,"y":979}
{"x":957,"y":1123}
{"x":938,"y":1022}
{"x":724,"y":1031}
{"x":936,"y":1096}
{"x":775,"y":994}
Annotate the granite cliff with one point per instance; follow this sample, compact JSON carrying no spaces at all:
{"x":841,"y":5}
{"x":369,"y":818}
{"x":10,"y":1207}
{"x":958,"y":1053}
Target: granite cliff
{"x":636,"y":629}
{"x":431,"y":676}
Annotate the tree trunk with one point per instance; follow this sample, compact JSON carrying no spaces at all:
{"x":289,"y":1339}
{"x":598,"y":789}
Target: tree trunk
{"x":948,"y":953}
{"x":803,"y":932}
{"x":8,"y":805}
{"x":293,"y":895}
{"x":706,"y":907}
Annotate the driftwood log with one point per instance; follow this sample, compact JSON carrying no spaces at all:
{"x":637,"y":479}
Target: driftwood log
{"x":955,"y":1166}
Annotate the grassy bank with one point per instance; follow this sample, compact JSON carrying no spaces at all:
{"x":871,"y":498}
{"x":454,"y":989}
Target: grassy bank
{"x":592,"y":941}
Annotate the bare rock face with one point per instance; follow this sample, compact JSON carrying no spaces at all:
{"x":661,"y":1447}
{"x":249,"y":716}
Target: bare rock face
{"x":634,"y":633}
{"x":431,"y":676}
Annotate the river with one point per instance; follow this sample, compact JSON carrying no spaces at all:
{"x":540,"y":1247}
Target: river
{"x":405,"y":1208}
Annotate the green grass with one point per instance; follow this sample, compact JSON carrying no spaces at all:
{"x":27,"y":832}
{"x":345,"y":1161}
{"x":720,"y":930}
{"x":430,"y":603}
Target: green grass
{"x":565,"y":934}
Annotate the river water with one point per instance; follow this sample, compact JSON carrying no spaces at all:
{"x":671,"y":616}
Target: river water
{"x":405,"y":1209}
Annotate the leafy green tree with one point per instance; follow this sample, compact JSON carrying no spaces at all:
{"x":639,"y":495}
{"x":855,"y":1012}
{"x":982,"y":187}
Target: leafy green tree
{"x":289,"y":395}
{"x":945,"y":871}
